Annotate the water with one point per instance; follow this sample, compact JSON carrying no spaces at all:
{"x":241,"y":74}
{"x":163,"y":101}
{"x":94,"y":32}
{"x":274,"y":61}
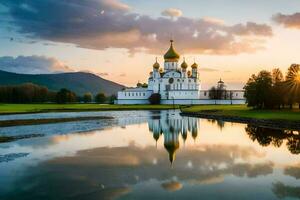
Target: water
{"x":149,"y":155}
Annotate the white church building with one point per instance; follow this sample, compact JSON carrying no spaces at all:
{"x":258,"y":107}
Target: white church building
{"x":177,"y":84}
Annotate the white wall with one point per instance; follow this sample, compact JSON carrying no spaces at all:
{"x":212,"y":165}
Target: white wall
{"x":186,"y":102}
{"x":134,"y":94}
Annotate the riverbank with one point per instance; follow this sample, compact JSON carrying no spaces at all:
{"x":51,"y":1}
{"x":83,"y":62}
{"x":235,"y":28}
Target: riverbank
{"x":44,"y":108}
{"x":283,"y":119}
{"x":23,"y":122}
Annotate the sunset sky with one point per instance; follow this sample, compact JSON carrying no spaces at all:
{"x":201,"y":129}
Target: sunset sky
{"x":119,"y":39}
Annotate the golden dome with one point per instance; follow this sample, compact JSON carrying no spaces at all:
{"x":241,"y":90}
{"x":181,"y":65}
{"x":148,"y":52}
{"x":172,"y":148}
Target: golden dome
{"x":184,"y":65}
{"x":194,"y":65}
{"x":171,"y":147}
{"x":156,"y":65}
{"x":171,"y":54}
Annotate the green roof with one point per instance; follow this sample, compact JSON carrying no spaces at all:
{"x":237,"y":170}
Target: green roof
{"x":171,"y":53}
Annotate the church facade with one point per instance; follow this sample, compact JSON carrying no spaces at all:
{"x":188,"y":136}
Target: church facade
{"x":177,"y":84}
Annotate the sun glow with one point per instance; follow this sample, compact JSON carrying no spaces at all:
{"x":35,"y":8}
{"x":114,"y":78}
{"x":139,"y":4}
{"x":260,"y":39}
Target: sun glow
{"x":297,"y":78}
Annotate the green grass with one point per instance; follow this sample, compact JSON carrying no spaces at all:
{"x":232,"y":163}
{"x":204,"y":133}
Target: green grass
{"x":36,"y":108}
{"x":244,"y":111}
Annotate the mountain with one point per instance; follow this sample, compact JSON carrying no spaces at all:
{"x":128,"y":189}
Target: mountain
{"x":78,"y":82}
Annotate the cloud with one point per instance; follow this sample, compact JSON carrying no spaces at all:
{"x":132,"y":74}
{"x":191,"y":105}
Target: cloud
{"x":213,"y":20}
{"x":206,"y":69}
{"x":103,"y":74}
{"x":32,"y":65}
{"x":172,"y":12}
{"x":288,"y":21}
{"x":84,"y":24}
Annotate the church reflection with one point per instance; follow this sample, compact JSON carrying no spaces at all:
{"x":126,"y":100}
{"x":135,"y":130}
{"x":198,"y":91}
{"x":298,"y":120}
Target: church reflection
{"x":171,"y":127}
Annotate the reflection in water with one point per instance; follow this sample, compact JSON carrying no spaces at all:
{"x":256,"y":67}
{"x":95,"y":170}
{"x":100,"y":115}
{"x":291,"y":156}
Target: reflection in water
{"x":276,"y":137}
{"x":282,"y":191}
{"x":123,"y":163}
{"x":172,"y":128}
{"x":103,"y":173}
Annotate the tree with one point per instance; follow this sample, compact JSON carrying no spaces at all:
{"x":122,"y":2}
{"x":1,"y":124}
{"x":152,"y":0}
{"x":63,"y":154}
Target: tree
{"x":278,"y":92}
{"x":213,"y":93}
{"x":292,"y":85}
{"x":258,"y":90}
{"x":154,"y":99}
{"x":87,"y":97}
{"x":65,"y":96}
{"x":25,"y":93}
{"x":112,"y":99}
{"x":100,"y":98}
{"x":218,"y":92}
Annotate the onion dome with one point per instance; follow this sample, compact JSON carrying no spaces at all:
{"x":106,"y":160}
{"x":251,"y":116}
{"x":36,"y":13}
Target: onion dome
{"x":184,"y":65}
{"x":194,"y":65}
{"x":171,"y":147}
{"x":171,"y":55}
{"x":161,"y":70}
{"x":156,"y":65}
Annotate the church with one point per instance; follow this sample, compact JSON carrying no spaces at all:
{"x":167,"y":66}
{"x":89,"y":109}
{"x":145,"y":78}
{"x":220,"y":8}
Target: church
{"x":177,"y":83}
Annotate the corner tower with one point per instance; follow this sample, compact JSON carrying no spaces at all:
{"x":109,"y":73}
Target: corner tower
{"x":171,"y":58}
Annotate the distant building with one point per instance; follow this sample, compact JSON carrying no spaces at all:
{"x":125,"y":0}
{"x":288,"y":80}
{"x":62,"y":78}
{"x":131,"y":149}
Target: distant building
{"x":176,"y":84}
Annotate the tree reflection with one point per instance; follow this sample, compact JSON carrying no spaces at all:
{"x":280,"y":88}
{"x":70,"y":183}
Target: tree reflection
{"x":220,"y":123}
{"x":282,"y":191}
{"x":276,"y":137}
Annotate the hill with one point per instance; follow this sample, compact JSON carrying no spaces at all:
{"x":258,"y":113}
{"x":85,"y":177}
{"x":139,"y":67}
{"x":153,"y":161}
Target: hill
{"x":79,"y":82}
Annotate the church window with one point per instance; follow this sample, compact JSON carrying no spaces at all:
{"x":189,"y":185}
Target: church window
{"x":129,"y":94}
{"x":143,"y":94}
{"x":171,"y":80}
{"x":204,"y":93}
{"x":236,"y":94}
{"x":178,"y":80}
{"x":189,"y":80}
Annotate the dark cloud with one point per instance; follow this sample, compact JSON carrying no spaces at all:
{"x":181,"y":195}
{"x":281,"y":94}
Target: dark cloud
{"x":100,"y":24}
{"x":288,"y":21}
{"x":32,"y":65}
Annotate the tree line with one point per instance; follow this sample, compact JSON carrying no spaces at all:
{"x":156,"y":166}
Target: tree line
{"x":31,"y":93}
{"x":273,"y":89}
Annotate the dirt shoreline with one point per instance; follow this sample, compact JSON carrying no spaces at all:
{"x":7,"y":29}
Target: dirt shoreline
{"x":268,"y":123}
{"x":23,"y":122}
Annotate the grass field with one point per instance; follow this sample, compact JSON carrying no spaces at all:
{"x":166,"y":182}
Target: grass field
{"x":244,"y":111}
{"x":36,"y":108}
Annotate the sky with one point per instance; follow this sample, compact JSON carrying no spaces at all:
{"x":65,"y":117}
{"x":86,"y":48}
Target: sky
{"x":119,"y":39}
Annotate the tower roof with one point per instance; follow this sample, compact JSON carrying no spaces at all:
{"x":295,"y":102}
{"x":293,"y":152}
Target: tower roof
{"x":156,"y":65}
{"x":194,"y":65}
{"x":184,"y":65}
{"x":220,"y":81}
{"x":171,"y":54}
